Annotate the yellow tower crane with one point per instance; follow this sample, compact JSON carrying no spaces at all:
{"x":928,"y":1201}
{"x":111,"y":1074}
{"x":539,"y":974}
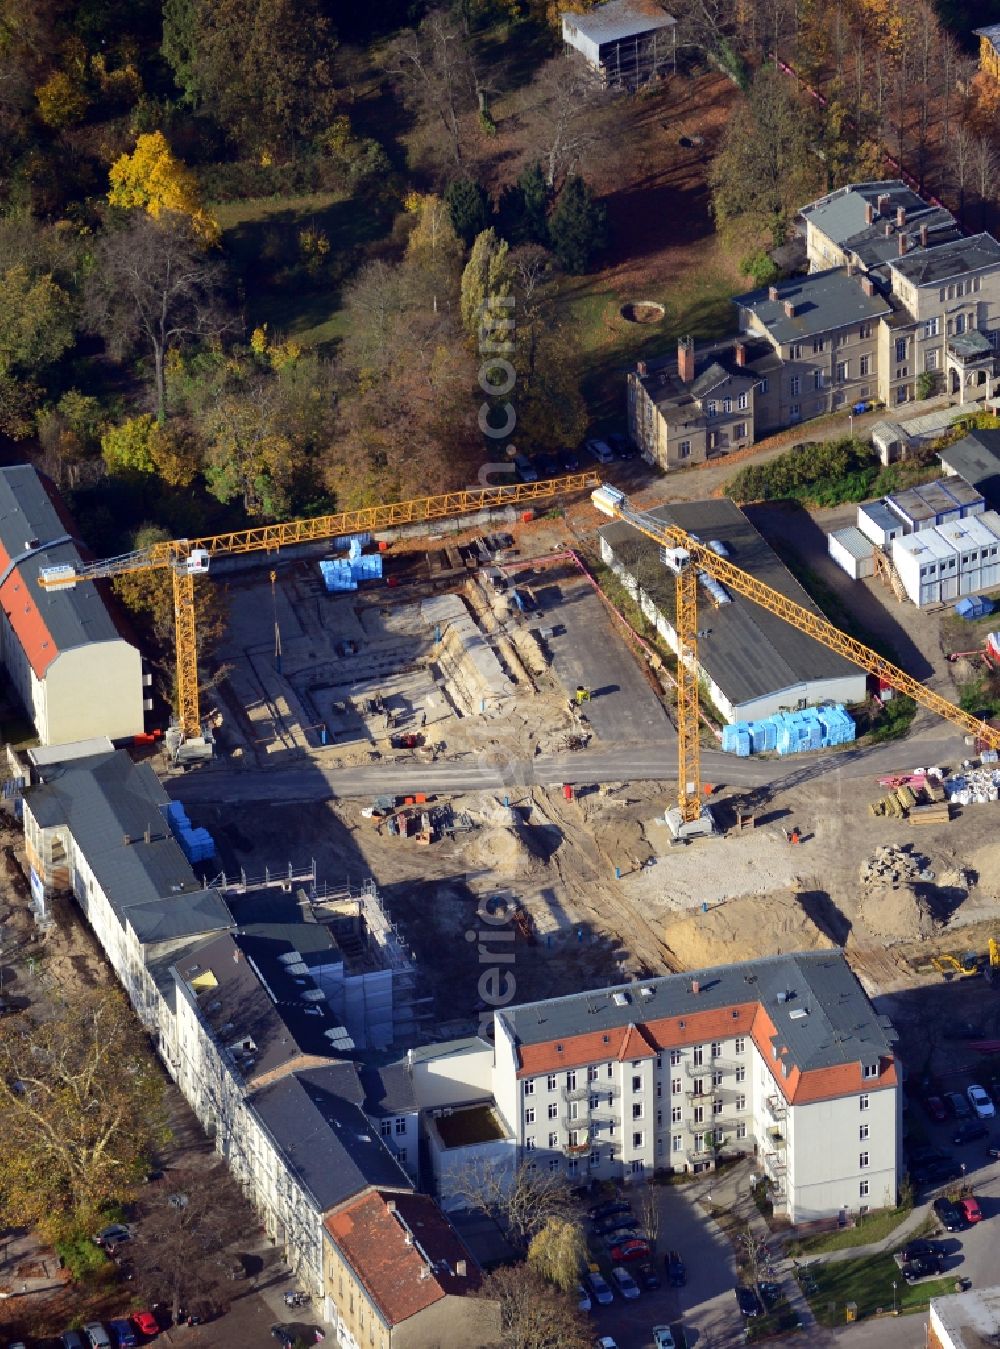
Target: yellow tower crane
{"x":686,"y":557}
{"x":188,"y":558}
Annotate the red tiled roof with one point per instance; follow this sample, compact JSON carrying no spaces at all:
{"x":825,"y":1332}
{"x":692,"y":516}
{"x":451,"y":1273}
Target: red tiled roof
{"x":371,"y":1234}
{"x":634,"y":1042}
{"x":27,"y":622}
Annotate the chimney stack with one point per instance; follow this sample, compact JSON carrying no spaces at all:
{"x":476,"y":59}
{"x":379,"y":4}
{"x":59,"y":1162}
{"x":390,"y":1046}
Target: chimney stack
{"x":641,"y":369}
{"x":789,"y":309}
{"x":900,"y":216}
{"x":685,"y":359}
{"x":883,"y":204}
{"x":695,"y":986}
{"x":460,"y":1268}
{"x":888,"y":229}
{"x":869,"y":213}
{"x":923,"y":236}
{"x":851,"y":268}
{"x":740,"y":350}
{"x":868,"y":286}
{"x":904,"y":243}
{"x":772,"y":294}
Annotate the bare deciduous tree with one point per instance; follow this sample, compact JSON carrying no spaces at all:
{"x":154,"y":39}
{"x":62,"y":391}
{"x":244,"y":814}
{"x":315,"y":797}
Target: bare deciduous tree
{"x":153,"y":286}
{"x":648,"y":1212}
{"x":522,"y":1200}
{"x":533,"y":1314}
{"x":564,"y":123}
{"x":963,"y":145}
{"x":984,"y":162}
{"x":434,"y":63}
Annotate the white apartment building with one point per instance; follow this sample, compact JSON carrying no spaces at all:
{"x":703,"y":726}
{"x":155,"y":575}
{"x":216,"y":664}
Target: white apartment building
{"x":782,"y":1059}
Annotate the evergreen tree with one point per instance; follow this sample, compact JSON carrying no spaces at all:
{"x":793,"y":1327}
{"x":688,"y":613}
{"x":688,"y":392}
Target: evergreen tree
{"x":487,"y":275}
{"x":578,"y":226}
{"x":535,"y":194}
{"x":470,"y":212}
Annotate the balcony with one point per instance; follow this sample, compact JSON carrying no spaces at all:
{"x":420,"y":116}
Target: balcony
{"x":774,"y":1165}
{"x":776,"y":1108}
{"x":776,"y":1138}
{"x":709,"y":1066}
{"x":577,"y":1093}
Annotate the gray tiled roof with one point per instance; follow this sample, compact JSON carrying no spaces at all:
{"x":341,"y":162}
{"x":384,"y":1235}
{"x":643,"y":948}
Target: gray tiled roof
{"x":315,"y":1121}
{"x":73,"y":617}
{"x":388,"y":1089}
{"x":106,"y":799}
{"x":929,"y":266}
{"x":824,"y":301}
{"x":976,"y":458}
{"x":748,"y":651}
{"x":841,"y":214}
{"x":840,"y":1026}
{"x":712,"y":365}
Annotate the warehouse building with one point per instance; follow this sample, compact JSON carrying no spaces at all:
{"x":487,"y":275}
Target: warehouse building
{"x":752,"y":662}
{"x":74,"y":671}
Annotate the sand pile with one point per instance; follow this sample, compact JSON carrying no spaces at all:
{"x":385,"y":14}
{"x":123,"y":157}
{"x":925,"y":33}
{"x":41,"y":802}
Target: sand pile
{"x":985,"y":862}
{"x":895,"y":913}
{"x":502,"y":850}
{"x":743,"y":929}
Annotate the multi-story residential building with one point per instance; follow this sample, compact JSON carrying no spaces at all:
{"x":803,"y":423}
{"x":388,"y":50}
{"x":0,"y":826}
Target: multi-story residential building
{"x":784,"y":1059}
{"x":894,"y":295}
{"x":398,"y":1276}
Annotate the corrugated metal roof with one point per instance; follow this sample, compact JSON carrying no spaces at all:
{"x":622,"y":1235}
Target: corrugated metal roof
{"x":46,"y":622}
{"x":749,"y":652}
{"x":841,"y":1025}
{"x":328,"y":1145}
{"x":856,"y":543}
{"x":620,"y":19}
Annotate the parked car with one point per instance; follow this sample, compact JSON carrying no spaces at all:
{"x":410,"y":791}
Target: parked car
{"x":600,"y":1289}
{"x":112,"y":1235}
{"x":919,"y":1249}
{"x":921,"y":1268}
{"x":647,"y":1276}
{"x":627,"y":1286}
{"x":97,"y":1337}
{"x":970,"y":1209}
{"x":958,"y":1105}
{"x":123,"y":1335}
{"x":618,"y":1234}
{"x":636,"y":1248}
{"x":769,"y":1292}
{"x":72,"y":1339}
{"x":676,"y":1272}
{"x":606,"y":1342}
{"x":935,"y":1108}
{"x":622,"y":446}
{"x":547,"y":465}
{"x":146,"y":1323}
{"x":606,"y":1210}
{"x":979,"y":1099}
{"x":583,"y":1301}
{"x":663,"y":1337}
{"x":968,"y":1132}
{"x":951,"y":1219}
{"x":525,"y":469}
{"x":600,"y":450}
{"x":934,"y":1171}
{"x":569,"y":461}
{"x":618,"y":1222}
{"x":749,"y":1302}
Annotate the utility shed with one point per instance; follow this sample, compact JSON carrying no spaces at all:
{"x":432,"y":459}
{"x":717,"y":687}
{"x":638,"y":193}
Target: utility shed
{"x":753,"y":663}
{"x":627,"y":42}
{"x":77,"y":675}
{"x":851,"y":550}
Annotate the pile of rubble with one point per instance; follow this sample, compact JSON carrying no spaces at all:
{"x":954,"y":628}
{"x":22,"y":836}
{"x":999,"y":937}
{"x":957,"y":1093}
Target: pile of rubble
{"x":890,"y":907}
{"x":891,"y":865}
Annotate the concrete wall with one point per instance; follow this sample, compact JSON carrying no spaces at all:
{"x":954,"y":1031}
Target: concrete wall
{"x":92,"y":690}
{"x":824,"y":1150}
{"x":453,"y":1078}
{"x":473,"y":1323}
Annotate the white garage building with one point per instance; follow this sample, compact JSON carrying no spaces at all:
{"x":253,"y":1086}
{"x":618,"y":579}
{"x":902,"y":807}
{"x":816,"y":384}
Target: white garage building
{"x":71,"y":667}
{"x":752,"y":662}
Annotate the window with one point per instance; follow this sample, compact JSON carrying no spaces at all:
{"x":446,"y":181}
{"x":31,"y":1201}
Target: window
{"x":677,"y":1143}
{"x":818,"y":379}
{"x":951,"y":292}
{"x":865,"y":331}
{"x":637,"y":1138}
{"x":571,"y":1080}
{"x":727,"y":405}
{"x":553,"y":1110}
{"x":743,"y":402}
{"x":574,"y":1109}
{"x":401,"y":1126}
{"x":740,"y":431}
{"x":959,"y":289}
{"x":637,"y":1110}
{"x":676,"y":1114}
{"x":741,"y":1074}
{"x":553,"y":1140}
{"x":741,"y":1102}
{"x":699,"y":1114}
{"x":795,"y":386}
{"x":931,"y":360}
{"x":595,"y":1156}
{"x":595,"y":1101}
{"x":684,"y":449}
{"x":900,"y":348}
{"x":762,"y":385}
{"x":842,"y":339}
{"x":931,"y":327}
{"x":716,"y":1049}
{"x":716,"y":1108}
{"x":529,"y":1115}
{"x":863,"y":1189}
{"x":717,"y":1079}
{"x":572,"y":1166}
{"x":866,"y":366}
{"x":636,"y":1082}
{"x":959,"y":324}
{"x":636,"y":1168}
{"x":659,"y":1119}
{"x":741,"y":1044}
{"x":675,"y":1057}
{"x":659,"y":1091}
{"x":699,"y":1142}
{"x":550,"y":1081}
{"x":863,"y":1160}
{"x":863,"y":1132}
{"x":710,"y":407}
{"x":573,"y":1138}
{"x":901,"y":391}
{"x":794,"y":412}
{"x":842,"y":371}
{"x":698,"y":1086}
{"x":795,"y":351}
{"x":529,"y":1144}
{"x":386,"y":1128}
{"x":698,"y":1057}
{"x":741,"y":1130}
{"x":592,"y":1072}
{"x":817,"y":345}
{"x":529,"y":1086}
{"x":870,"y":1069}
{"x":675,"y":1087}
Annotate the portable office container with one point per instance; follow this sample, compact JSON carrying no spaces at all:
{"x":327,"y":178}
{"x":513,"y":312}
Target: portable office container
{"x":880,"y":523}
{"x":852,"y":551}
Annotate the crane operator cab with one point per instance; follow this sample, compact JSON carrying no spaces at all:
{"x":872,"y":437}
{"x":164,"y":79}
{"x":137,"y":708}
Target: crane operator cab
{"x":196,"y":563}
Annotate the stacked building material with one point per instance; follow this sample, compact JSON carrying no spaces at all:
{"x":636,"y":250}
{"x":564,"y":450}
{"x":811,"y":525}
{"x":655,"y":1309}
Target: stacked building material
{"x":197,"y":845}
{"x":974,"y":786}
{"x":344,"y":573}
{"x":790,"y":732}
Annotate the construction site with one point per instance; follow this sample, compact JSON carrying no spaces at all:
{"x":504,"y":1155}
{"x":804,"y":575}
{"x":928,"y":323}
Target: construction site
{"x":480,"y":726}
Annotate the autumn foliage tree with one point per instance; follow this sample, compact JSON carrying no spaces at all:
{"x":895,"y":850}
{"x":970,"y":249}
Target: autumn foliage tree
{"x":153,"y":179}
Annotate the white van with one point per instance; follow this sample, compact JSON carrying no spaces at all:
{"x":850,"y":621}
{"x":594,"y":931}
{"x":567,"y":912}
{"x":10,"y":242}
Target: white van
{"x":601,"y":451}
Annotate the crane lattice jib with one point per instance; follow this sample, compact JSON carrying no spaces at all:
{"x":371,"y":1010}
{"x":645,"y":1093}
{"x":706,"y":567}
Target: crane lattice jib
{"x":706,"y":559}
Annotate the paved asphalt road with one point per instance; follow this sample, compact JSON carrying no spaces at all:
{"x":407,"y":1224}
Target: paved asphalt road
{"x":648,"y":762}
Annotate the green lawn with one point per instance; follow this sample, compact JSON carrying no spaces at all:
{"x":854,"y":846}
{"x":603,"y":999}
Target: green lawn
{"x":868,"y":1282}
{"x":262,"y":237}
{"x":872,"y":1227}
